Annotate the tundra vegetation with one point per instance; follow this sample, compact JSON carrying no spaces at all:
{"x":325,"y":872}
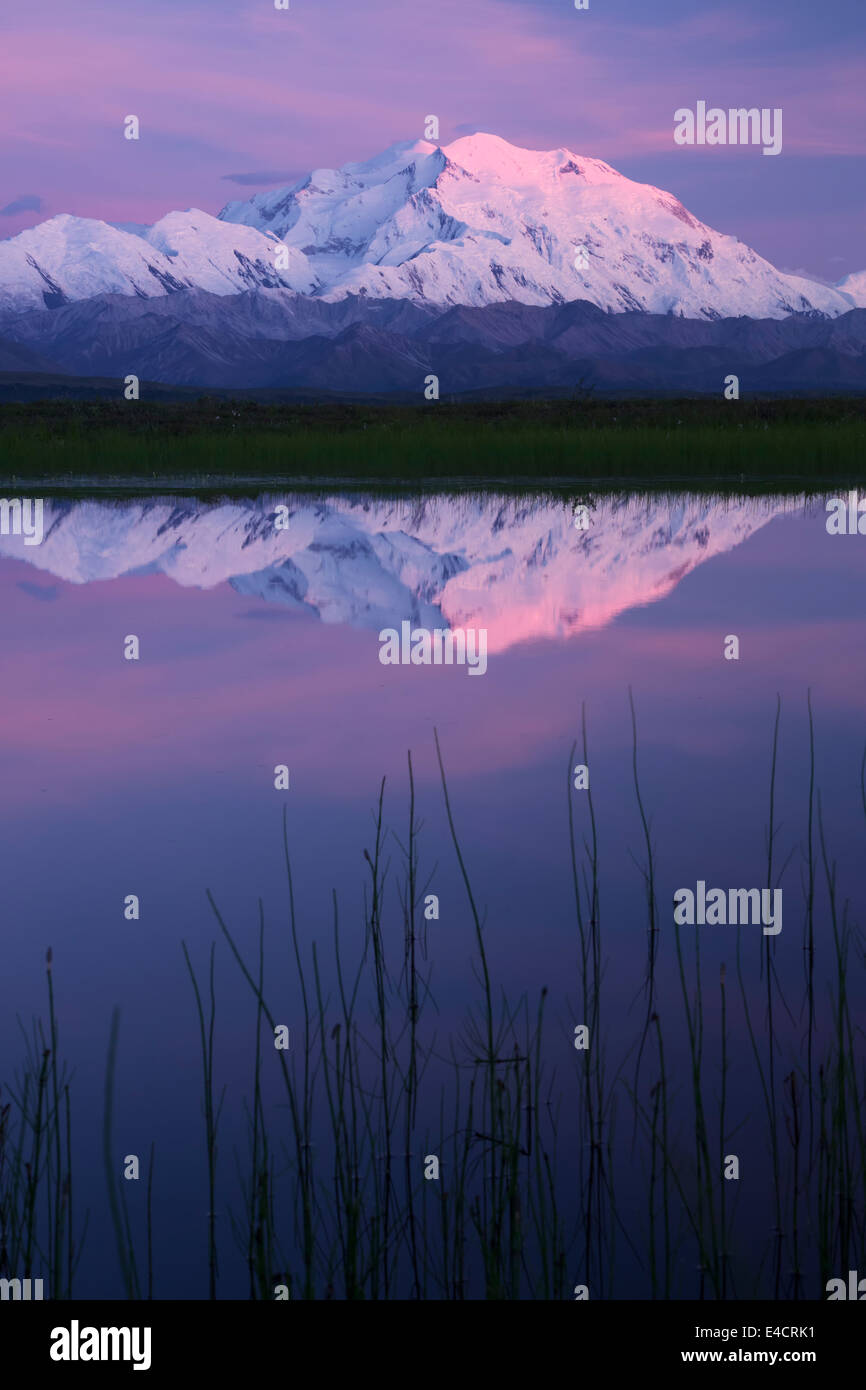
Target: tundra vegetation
{"x":227,"y":443}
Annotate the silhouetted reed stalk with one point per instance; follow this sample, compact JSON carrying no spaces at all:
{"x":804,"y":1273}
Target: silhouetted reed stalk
{"x":364,"y":1222}
{"x":56,"y":1262}
{"x":125,"y":1251}
{"x":705,"y":1181}
{"x":348,"y":1178}
{"x":661,"y":1090}
{"x":251,"y":1236}
{"x":702,"y":1218}
{"x":149,"y":1221}
{"x":35,"y":1173}
{"x":211,"y":1116}
{"x":844,"y":1071}
{"x":590,"y":971}
{"x":304,"y":1147}
{"x":70,"y":1244}
{"x":810,"y":918}
{"x":488,"y":1229}
{"x":33,"y":1167}
{"x":771,"y":1070}
{"x":649,"y":880}
{"x":374,"y":927}
{"x":723,"y":1132}
{"x":792,"y":1124}
{"x":298,"y":1120}
{"x":411,"y":1098}
{"x":748,"y":1018}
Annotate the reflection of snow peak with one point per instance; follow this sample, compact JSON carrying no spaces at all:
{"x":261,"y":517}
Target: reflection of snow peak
{"x":441,"y":647}
{"x":517,"y":568}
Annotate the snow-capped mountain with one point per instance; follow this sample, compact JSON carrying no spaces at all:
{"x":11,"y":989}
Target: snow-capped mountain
{"x":854,"y":286}
{"x":481,"y":221}
{"x":475,"y":222}
{"x":73,"y":258}
{"x":520,"y":571}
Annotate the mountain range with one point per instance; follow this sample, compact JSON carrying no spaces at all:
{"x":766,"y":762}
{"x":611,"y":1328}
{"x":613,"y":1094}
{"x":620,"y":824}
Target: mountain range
{"x":487,"y":265}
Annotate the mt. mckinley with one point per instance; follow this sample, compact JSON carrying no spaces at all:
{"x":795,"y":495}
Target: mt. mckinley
{"x":473,"y":224}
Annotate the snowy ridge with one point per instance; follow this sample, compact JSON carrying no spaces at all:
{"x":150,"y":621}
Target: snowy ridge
{"x":475,"y":222}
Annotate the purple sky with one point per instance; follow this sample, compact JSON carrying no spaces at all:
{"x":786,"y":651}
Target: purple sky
{"x":234,"y":96}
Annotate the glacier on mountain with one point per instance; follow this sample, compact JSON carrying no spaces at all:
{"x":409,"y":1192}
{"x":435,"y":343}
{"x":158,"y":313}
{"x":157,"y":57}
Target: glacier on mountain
{"x":475,"y":222}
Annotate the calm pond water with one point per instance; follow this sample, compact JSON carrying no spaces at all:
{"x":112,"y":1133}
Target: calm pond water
{"x":259,"y":628}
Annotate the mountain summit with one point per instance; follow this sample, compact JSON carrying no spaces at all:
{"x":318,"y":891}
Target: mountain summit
{"x":481,"y":221}
{"x":473,"y":223}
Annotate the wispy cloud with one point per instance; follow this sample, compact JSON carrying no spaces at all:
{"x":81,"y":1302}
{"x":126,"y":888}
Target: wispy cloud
{"x":46,"y":593}
{"x":26,"y":202}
